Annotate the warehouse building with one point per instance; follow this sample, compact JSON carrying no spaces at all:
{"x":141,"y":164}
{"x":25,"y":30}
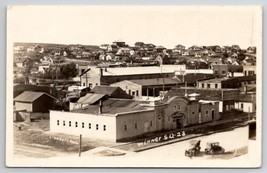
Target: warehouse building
{"x":123,"y":119}
{"x":94,"y":76}
{"x":140,"y":88}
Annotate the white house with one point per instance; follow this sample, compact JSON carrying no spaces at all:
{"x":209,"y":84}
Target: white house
{"x":47,"y":60}
{"x":246,"y":103}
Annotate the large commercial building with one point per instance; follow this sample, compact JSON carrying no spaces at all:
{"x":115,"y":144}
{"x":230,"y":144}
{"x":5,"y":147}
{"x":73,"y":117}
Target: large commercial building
{"x":94,"y":76}
{"x":225,"y":97}
{"x":123,"y":119}
{"x":147,"y":87}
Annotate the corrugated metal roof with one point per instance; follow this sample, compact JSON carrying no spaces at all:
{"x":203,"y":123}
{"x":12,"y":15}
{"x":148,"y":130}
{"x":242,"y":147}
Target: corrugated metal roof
{"x":114,"y":106}
{"x":104,"y":90}
{"x":156,"y":81}
{"x":216,"y":80}
{"x":30,"y":96}
{"x":91,"y":98}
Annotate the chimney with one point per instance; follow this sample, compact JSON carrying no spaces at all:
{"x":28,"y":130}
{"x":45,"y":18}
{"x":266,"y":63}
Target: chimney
{"x":100,"y":107}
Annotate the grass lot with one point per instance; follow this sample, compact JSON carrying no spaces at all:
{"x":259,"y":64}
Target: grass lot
{"x":37,"y":134}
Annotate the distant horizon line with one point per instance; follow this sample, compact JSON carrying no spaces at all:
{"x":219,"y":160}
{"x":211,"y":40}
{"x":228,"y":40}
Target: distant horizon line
{"x":86,"y":44}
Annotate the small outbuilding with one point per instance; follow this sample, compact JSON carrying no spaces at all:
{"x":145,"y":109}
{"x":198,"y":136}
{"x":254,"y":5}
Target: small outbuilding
{"x":34,"y":101}
{"x":32,"y":105}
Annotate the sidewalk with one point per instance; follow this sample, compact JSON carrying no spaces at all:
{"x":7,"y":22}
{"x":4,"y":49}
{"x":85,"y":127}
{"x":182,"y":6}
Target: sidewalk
{"x":164,"y":138}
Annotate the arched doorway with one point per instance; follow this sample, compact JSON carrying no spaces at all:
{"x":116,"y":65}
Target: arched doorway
{"x":180,"y":119}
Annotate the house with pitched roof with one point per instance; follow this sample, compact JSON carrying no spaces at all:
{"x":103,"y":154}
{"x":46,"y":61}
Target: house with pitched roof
{"x":32,"y":105}
{"x":32,"y":101}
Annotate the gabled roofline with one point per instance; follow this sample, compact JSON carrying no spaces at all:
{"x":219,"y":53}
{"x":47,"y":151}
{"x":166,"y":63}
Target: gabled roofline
{"x":85,"y":72}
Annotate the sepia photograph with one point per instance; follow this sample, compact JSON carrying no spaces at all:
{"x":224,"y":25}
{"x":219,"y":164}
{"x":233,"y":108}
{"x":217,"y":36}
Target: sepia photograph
{"x":134,"y":86}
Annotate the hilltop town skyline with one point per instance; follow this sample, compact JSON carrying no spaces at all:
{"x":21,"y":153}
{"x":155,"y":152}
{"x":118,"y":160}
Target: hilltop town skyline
{"x":131,"y":45}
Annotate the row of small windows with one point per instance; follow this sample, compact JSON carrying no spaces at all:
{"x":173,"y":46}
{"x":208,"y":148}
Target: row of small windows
{"x":90,"y":84}
{"x":133,"y":93}
{"x":177,"y":107}
{"x":83,"y":125}
{"x":208,"y":85}
{"x":249,"y":73}
{"x":135,"y":125}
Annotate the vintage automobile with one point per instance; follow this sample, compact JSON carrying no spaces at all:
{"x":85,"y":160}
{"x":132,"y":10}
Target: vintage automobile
{"x":194,"y":148}
{"x":214,"y":148}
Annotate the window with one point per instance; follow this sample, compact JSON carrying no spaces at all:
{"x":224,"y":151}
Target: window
{"x":129,"y":92}
{"x":179,"y":107}
{"x":96,"y":84}
{"x":125,"y":127}
{"x":135,"y":125}
{"x":76,"y":124}
{"x":207,"y":112}
{"x":169,"y":118}
{"x":175,"y":107}
{"x":137,"y":93}
{"x":104,"y":127}
{"x":83,"y":83}
{"x":58,"y":122}
{"x":90,"y":85}
{"x":82,"y":124}
{"x":242,"y":105}
{"x":203,"y":85}
{"x":64,"y":123}
{"x":69,"y":123}
{"x":216,"y":85}
{"x":133,"y":93}
{"x":223,"y":72}
{"x":151,"y":123}
{"x":96,"y":126}
{"x":208,"y":85}
{"x":193,"y":113}
{"x":89,"y":125}
{"x":251,"y":73}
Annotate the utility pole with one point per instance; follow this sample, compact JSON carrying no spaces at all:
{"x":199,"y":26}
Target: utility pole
{"x":163,"y":84}
{"x":80,"y":145}
{"x":248,"y":113}
{"x":185,"y":89}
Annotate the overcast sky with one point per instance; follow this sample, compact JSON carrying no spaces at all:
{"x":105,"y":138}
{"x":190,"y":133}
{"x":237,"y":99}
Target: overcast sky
{"x":160,"y":25}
